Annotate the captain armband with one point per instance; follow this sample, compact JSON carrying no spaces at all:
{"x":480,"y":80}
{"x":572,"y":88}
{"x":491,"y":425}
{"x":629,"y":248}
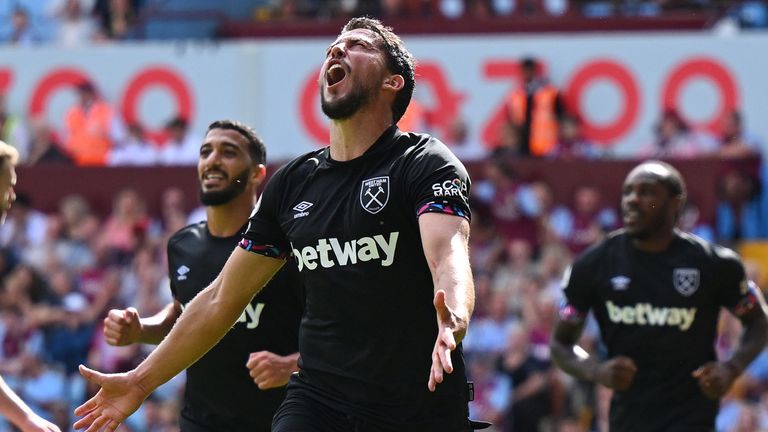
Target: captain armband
{"x":262,"y":249}
{"x":749,"y":299}
{"x":570,"y":314}
{"x":444,"y":207}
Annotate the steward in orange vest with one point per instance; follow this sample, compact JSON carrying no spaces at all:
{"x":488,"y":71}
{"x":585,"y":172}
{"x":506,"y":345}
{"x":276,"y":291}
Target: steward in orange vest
{"x":535,"y":110}
{"x":89,"y":128}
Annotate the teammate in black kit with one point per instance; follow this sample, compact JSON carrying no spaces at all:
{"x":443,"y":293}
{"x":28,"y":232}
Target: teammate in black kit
{"x":378,"y":226}
{"x":219,"y":394}
{"x":656,"y":294}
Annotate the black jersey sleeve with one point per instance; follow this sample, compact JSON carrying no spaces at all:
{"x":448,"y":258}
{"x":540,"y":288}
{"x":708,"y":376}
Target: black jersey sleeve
{"x":264,"y":234}
{"x":735,"y":292}
{"x":437,"y":181}
{"x":578,"y":288}
{"x":171,"y":265}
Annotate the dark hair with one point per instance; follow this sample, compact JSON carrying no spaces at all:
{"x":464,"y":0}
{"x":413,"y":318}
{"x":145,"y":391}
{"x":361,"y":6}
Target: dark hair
{"x":255,"y":145}
{"x":399,"y":59}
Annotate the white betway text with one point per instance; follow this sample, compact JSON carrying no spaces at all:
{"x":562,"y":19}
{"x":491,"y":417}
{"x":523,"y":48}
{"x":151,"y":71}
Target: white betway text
{"x":331,"y":252}
{"x":646,"y":314}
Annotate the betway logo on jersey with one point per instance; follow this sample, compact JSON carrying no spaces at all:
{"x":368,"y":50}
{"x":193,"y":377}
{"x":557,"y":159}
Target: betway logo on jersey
{"x":454,"y":187}
{"x":331,"y":252}
{"x":645,"y":314}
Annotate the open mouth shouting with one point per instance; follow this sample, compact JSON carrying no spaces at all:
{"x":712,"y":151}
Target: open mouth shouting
{"x":334,"y":75}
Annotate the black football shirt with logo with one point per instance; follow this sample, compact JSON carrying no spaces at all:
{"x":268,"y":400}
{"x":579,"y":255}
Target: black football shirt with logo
{"x":661,"y":310}
{"x":220,"y":394}
{"x":352,"y":228}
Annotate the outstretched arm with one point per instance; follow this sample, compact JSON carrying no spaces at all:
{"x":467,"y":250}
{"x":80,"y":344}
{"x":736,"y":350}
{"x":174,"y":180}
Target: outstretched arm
{"x":204,"y":322}
{"x":445,"y":239}
{"x":18,"y":413}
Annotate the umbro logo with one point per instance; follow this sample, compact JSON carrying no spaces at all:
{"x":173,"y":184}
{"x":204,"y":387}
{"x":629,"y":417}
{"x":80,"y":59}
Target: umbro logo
{"x":302,"y":208}
{"x":181,"y":273}
{"x":620,"y":283}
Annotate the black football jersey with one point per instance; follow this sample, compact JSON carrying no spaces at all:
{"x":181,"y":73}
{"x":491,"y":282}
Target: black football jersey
{"x":661,"y":310}
{"x":352,"y":230}
{"x":220,"y":394}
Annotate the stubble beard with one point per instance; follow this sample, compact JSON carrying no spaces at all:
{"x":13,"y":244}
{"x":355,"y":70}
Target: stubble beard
{"x":223,"y":196}
{"x":346,"y":106}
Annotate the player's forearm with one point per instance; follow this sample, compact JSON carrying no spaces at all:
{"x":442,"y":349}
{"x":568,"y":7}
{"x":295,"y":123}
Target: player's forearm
{"x":207,"y":318}
{"x":753,"y":341}
{"x":155,"y":328}
{"x":581,"y":366}
{"x":11,"y":406}
{"x":453,"y":275}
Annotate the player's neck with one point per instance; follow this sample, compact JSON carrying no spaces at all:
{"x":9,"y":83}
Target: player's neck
{"x":655,"y":244}
{"x":227,"y":219}
{"x":352,"y":137}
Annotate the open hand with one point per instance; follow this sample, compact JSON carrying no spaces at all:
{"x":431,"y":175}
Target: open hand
{"x":118,"y":397}
{"x":448,"y":325}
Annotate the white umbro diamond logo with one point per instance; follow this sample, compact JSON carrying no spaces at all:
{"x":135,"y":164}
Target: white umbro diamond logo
{"x":181,"y":273}
{"x":301,"y":208}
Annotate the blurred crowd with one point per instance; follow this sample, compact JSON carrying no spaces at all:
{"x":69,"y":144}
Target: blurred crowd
{"x":76,"y":22}
{"x":748,"y":13}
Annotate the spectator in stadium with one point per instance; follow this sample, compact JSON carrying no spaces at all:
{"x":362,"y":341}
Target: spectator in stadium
{"x":22,"y":32}
{"x":134,"y":150}
{"x":571,"y":142}
{"x":740,"y":215}
{"x":75,"y":24}
{"x":92,"y":127}
{"x":735,"y":140}
{"x":591,"y":219}
{"x":11,"y":406}
{"x":675,"y":138}
{"x":535,"y":108}
{"x":505,"y":194}
{"x":182,"y":147}
{"x":124,"y":230}
{"x":657,"y":294}
{"x":116,"y":17}
{"x":403,"y":198}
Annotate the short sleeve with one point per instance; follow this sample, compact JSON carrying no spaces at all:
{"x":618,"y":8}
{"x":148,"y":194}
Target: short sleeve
{"x":735,"y":291}
{"x":438,"y":181}
{"x":264,"y":234}
{"x":578,"y":287}
{"x":171,"y":268}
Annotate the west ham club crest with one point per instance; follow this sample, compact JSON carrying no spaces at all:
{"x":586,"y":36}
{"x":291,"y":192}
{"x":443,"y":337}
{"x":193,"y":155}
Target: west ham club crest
{"x":686,"y":280}
{"x":374,"y":194}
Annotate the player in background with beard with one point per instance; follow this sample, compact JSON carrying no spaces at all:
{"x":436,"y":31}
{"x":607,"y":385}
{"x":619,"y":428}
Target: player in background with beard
{"x":656,"y":294}
{"x":219,"y":393}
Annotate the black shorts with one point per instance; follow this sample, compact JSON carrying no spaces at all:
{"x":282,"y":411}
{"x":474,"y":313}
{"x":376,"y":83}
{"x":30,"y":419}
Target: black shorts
{"x":187,"y":424}
{"x":304,"y":410}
